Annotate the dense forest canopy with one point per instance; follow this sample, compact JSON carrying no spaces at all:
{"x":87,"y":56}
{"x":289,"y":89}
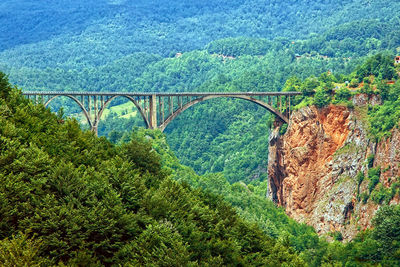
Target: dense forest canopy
{"x":75,"y":34}
{"x":69,"y":197}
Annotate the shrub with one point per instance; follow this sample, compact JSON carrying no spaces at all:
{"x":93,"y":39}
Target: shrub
{"x":360,"y":177}
{"x":370,"y":160}
{"x":387,"y":230}
{"x":342,"y":95}
{"x":309,"y":85}
{"x":379,"y":65}
{"x":353,"y":83}
{"x":349,"y":105}
{"x":283,"y":129}
{"x":321,"y":98}
{"x":382,"y":118}
{"x":373,"y":175}
{"x":367,"y":80}
{"x":337,"y":236}
{"x":364,"y":197}
{"x":367,"y":89}
{"x":379,"y":194}
{"x":20,"y":251}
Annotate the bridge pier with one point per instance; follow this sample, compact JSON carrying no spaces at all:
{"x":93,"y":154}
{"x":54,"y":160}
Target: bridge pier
{"x":153,"y":111}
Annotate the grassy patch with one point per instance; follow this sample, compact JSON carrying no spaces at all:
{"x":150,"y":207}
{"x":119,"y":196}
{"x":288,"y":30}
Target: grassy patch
{"x":126,"y":111}
{"x":361,"y":114}
{"x":349,"y":148}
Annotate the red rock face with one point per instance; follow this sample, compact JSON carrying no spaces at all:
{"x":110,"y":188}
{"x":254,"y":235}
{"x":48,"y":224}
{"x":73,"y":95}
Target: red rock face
{"x":312,"y":168}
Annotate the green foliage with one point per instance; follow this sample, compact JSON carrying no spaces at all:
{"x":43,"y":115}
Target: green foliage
{"x":342,"y":95}
{"x":370,"y":160}
{"x":373,"y":176}
{"x":74,"y":34}
{"x":353,"y":83}
{"x":292,"y":84}
{"x":239,"y":46}
{"x":222,"y":149}
{"x":380,"y":65}
{"x":382,"y":194}
{"x":80,"y":48}
{"x":87,"y":202}
{"x":59,"y":180}
{"x":321,"y":98}
{"x":364,"y":196}
{"x":337,"y":236}
{"x":367,"y":89}
{"x":360,"y":178}
{"x":5,"y":87}
{"x":309,"y":86}
{"x":262,"y":62}
{"x":383,"y":118}
{"x":379,"y":246}
{"x":283,"y":129}
{"x":20,"y":251}
{"x":387,"y":232}
{"x":249,"y":200}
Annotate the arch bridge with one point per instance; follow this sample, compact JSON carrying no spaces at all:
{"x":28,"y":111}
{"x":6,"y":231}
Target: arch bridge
{"x":159,"y":109}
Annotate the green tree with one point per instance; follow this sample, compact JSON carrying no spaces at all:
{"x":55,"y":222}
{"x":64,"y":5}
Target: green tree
{"x":321,"y":98}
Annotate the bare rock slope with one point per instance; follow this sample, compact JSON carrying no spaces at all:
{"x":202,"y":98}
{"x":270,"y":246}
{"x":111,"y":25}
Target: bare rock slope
{"x":314,"y":168}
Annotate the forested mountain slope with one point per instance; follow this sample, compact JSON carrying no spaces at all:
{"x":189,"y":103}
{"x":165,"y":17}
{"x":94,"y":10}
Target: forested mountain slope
{"x":75,"y":34}
{"x":69,"y":197}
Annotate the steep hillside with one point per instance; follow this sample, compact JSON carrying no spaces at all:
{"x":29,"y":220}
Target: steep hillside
{"x":68,"y":197}
{"x":323,"y":172}
{"x":337,"y":164}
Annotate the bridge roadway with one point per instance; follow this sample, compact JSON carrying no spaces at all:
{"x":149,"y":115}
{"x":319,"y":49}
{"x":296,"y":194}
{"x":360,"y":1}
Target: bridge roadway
{"x":158,"y":109}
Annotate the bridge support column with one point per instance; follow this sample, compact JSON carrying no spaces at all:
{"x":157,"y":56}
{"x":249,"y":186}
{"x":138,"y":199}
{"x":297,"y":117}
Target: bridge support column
{"x":153,"y":112}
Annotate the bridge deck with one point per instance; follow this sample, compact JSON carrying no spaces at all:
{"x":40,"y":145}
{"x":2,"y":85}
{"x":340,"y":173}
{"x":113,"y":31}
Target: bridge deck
{"x":161,"y":93}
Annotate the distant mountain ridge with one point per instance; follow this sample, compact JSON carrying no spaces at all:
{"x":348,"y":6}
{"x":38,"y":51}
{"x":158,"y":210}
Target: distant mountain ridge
{"x":71,"y":33}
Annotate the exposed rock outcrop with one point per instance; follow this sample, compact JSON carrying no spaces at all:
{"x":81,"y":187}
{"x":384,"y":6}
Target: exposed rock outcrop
{"x":313,"y":167}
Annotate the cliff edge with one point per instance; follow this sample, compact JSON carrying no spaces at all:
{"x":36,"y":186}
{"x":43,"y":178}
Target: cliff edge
{"x":319,"y":170}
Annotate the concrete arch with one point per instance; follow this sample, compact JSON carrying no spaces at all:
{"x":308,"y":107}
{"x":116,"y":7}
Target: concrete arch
{"x":146,"y":121}
{"x":79,"y":104}
{"x":204,"y":98}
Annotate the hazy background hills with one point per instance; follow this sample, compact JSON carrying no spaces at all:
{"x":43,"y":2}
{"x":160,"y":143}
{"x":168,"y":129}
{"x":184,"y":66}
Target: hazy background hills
{"x":92,"y":33}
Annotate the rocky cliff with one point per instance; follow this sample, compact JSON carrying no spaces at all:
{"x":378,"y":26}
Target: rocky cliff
{"x":318,"y":170}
